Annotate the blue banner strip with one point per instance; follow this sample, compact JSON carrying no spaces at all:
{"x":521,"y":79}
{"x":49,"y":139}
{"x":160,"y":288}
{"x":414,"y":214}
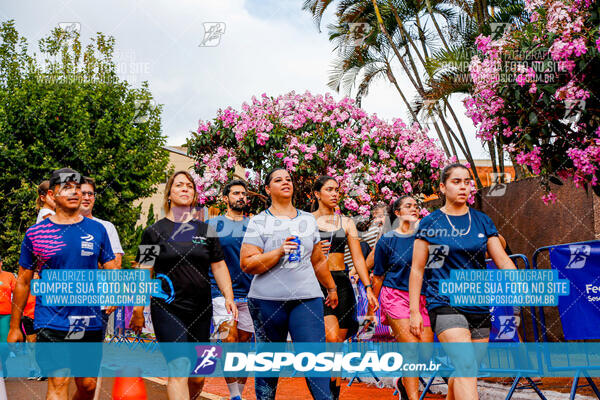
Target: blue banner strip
{"x":137,"y":358}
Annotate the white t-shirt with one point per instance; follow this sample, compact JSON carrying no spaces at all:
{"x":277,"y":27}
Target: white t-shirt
{"x":42,"y":213}
{"x":286,"y":280}
{"x":113,"y":236}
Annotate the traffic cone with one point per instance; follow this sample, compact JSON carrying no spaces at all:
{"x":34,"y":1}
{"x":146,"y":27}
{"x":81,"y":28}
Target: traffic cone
{"x":129,"y":388}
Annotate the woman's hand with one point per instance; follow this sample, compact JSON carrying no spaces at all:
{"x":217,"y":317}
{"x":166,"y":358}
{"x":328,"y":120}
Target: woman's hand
{"x":373,"y":302}
{"x":332,"y":298}
{"x":231,"y":308}
{"x":289,"y":245}
{"x":353,"y":275}
{"x":416,"y":323}
{"x":137,"y":321}
{"x":325,"y":247}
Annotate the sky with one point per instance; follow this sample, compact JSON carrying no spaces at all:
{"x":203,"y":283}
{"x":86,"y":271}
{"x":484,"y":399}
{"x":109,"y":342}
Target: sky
{"x":265,"y":46}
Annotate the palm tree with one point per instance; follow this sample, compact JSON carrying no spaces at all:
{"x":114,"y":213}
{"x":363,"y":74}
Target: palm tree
{"x":402,"y":31}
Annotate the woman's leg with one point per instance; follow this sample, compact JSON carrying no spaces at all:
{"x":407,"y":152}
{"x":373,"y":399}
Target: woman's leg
{"x":171,"y":328}
{"x":177,"y":386}
{"x":333,"y":335}
{"x":270,"y":320}
{"x":401,"y":331}
{"x":463,"y":359}
{"x":195,"y":386}
{"x":306,"y":325}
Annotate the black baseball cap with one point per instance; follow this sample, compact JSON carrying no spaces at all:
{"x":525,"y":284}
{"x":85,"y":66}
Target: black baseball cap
{"x":64,"y":175}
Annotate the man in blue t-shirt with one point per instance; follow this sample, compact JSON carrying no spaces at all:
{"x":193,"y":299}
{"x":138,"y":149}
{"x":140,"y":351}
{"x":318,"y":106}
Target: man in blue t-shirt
{"x":66,"y":240}
{"x":231,"y":228}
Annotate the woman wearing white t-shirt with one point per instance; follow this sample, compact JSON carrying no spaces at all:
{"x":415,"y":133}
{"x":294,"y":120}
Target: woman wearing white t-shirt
{"x":281,"y":248}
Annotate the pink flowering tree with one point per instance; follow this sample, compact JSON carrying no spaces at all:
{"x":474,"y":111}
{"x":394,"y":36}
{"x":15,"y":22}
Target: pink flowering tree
{"x":536,"y":90}
{"x":314,"y":135}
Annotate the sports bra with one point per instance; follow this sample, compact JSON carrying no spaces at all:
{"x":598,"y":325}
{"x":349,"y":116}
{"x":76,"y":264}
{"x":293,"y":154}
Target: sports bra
{"x":337,"y":238}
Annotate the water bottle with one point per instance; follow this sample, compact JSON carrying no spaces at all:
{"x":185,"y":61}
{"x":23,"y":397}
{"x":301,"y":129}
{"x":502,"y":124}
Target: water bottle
{"x":295,"y":255}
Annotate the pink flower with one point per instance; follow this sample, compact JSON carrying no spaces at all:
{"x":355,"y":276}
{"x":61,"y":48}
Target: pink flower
{"x":549,"y":197}
{"x":279,"y":155}
{"x":533,"y":88}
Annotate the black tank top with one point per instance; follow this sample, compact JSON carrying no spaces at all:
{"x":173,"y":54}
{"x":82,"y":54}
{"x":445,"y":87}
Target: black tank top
{"x":337,"y":238}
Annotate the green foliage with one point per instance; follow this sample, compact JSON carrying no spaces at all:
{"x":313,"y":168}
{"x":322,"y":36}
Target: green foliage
{"x":71,"y":110}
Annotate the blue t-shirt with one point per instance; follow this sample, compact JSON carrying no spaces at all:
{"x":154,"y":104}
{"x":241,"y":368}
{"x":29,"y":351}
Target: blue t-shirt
{"x":393,"y":258}
{"x":74,"y":246}
{"x":454,"y":248}
{"x":231,"y":233}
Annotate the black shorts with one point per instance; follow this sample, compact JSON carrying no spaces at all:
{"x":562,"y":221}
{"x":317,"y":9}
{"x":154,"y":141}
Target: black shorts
{"x":345,"y":311}
{"x":173,"y":325}
{"x":445,"y":317}
{"x":52,"y":357}
{"x":27,"y":326}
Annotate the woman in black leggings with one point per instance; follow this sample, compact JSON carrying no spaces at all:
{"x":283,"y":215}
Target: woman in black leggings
{"x":180,"y":250}
{"x":336,"y":231}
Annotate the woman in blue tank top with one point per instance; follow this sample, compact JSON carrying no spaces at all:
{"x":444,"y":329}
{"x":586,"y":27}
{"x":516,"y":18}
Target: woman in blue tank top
{"x":454,"y":237}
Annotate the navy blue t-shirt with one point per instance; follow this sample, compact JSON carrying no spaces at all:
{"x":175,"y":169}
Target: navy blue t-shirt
{"x":74,"y":246}
{"x":393,"y":258}
{"x":231,"y":234}
{"x":454,"y":248}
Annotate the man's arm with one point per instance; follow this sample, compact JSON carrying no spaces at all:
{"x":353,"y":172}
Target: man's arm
{"x":20,"y":295}
{"x":112,"y":264}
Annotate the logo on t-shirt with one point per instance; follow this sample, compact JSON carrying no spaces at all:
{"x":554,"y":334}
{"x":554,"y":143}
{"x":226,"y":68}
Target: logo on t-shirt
{"x":87,"y":245}
{"x":198,"y":240}
{"x":182,"y":229}
{"x":437,"y":255}
{"x":77,"y":326}
{"x":579,"y":255}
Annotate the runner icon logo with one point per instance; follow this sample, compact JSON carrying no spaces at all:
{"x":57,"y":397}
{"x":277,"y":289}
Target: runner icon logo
{"x":77,"y":326}
{"x":207,"y":359}
{"x":579,"y":256}
{"x":508,"y":327}
{"x":148,"y":254}
{"x":437,"y":255}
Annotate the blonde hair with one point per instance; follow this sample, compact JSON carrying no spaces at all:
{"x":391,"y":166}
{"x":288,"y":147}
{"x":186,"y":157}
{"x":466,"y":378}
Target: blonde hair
{"x":167,"y":202}
{"x":42,"y":190}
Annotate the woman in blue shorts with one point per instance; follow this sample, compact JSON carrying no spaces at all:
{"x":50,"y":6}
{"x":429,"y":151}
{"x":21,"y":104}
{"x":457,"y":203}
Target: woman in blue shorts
{"x":455,"y":237}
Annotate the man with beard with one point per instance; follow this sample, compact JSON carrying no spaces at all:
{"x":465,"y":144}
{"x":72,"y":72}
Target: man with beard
{"x":231,"y":228}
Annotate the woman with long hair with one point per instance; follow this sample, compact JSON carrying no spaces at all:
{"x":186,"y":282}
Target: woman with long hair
{"x":281,"y":249}
{"x":393,"y":259}
{"x":182,"y":251}
{"x":455,"y":237}
{"x":337,"y":231}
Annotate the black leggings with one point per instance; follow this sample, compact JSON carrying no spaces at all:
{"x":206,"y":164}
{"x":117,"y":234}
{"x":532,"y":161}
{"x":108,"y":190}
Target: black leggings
{"x":345,"y":312}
